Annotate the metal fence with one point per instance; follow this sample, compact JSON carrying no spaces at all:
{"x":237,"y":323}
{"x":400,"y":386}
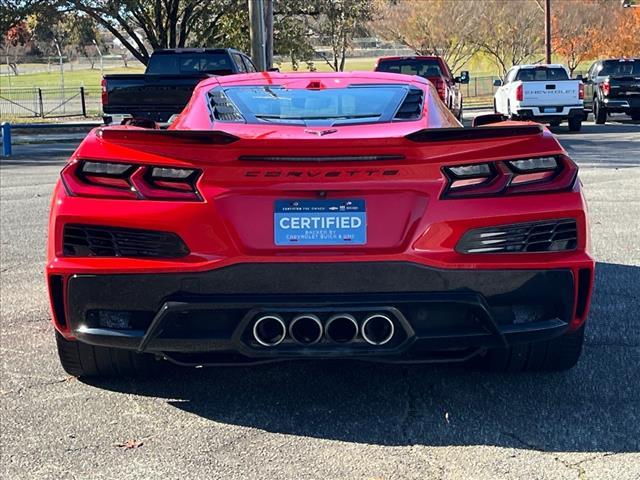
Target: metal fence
{"x":49,"y":102}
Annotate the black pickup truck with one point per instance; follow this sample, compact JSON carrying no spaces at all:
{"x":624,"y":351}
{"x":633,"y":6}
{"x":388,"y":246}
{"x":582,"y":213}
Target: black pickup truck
{"x":613,"y":86}
{"x":166,"y":86}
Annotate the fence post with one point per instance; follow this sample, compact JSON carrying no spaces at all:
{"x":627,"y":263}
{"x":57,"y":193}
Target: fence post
{"x":40,"y":103}
{"x":6,"y":139}
{"x":475,"y":86}
{"x":84,"y":106}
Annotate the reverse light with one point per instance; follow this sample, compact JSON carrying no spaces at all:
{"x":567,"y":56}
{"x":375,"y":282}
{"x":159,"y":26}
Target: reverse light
{"x":87,"y":178}
{"x":536,"y":174}
{"x":520,"y":93}
{"x":606,"y":88}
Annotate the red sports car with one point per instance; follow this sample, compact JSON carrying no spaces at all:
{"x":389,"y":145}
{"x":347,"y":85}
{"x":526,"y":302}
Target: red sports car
{"x":318,"y":215}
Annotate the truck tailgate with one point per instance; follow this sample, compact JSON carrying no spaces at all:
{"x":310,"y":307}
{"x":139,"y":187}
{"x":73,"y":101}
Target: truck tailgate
{"x":557,"y":92}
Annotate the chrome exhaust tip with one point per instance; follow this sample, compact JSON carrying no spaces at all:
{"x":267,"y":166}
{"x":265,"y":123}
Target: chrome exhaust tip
{"x":341,"y":328}
{"x":377,"y":329}
{"x":306,"y":329}
{"x":269,"y":330}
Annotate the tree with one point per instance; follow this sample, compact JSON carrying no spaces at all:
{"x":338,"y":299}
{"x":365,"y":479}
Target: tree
{"x":624,"y":41}
{"x":576,"y":30}
{"x":338,"y":21}
{"x":510,"y":32}
{"x":15,"y":41}
{"x":432,"y":27}
{"x":145,"y":25}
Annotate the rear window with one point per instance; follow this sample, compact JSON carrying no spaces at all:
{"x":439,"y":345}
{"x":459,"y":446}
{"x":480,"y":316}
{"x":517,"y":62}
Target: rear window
{"x":408,"y":66}
{"x":541,"y":74}
{"x":328,"y":106}
{"x":189,"y":63}
{"x":620,"y":67}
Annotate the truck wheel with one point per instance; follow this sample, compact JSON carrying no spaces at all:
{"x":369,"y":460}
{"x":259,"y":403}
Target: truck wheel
{"x":83,"y":360}
{"x":635,"y":114}
{"x":460,"y":112}
{"x":553,"y":355}
{"x":495,"y":107}
{"x":599,"y":112}
{"x":575,"y":124}
{"x":555,"y":124}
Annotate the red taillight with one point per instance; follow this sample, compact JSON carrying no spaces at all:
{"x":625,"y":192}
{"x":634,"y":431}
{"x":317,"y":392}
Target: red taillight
{"x":441,"y":88}
{"x":510,"y":177}
{"x":520,"y":93}
{"x":606,"y":88}
{"x":581,"y":92}
{"x":104,"y":95}
{"x":129,"y":181}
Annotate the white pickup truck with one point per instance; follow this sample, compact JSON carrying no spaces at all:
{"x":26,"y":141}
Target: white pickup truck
{"x":542,"y":93}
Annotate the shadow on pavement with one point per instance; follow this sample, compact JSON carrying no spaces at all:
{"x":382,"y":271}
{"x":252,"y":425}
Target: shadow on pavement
{"x":595,"y":407}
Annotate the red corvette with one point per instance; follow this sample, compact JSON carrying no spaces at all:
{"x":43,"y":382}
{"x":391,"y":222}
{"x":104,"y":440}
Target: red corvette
{"x":345,"y":215}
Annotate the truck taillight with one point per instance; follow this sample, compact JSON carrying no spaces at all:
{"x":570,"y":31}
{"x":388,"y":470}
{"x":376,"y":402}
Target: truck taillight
{"x":520,"y":93}
{"x":606,"y":88}
{"x":441,"y":89}
{"x":581,"y":92}
{"x":104,"y":96}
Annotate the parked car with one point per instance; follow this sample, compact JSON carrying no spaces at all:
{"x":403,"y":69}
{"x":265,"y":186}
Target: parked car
{"x":434,"y":69}
{"x":613,"y":86}
{"x":314,"y":216}
{"x":543,"y":93}
{"x":169,"y":79}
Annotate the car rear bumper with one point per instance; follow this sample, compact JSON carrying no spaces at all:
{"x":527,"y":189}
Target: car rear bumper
{"x":622,"y":104}
{"x":438,"y":314}
{"x":560,"y":113}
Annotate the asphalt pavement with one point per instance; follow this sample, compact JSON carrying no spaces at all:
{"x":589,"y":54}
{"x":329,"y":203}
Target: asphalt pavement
{"x":328,"y":420}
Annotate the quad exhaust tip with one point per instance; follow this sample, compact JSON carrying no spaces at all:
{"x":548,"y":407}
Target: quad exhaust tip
{"x":269,"y":330}
{"x":306,"y":329}
{"x":341,"y":328}
{"x":377,"y":329}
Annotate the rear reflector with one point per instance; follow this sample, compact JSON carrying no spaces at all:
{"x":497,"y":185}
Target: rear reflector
{"x":56,"y":292}
{"x":584,"y":287}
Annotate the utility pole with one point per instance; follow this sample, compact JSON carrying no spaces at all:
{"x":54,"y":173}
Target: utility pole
{"x":256,"y":31}
{"x":268,"y":20}
{"x":547,"y":30}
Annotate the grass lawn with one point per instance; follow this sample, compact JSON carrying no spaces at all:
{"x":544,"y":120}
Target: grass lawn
{"x":76,"y":78}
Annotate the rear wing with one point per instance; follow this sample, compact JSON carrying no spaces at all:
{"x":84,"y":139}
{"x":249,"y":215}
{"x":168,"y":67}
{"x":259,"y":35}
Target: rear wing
{"x":164,"y":137}
{"x":474,"y":133}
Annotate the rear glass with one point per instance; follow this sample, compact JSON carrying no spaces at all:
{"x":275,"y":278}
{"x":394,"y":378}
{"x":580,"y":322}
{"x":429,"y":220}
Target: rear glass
{"x":354,"y":104}
{"x":182,"y":63}
{"x":620,"y":68}
{"x":541,"y":74}
{"x":422,"y":68}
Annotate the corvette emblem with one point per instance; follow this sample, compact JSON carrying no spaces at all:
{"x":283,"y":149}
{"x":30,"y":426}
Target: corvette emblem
{"x":321,"y":133}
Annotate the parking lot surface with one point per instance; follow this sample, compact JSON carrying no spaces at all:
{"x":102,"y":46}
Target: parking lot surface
{"x":328,"y":420}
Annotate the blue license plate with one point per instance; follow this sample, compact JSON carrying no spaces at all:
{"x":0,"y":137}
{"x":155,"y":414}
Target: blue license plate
{"x":320,"y":222}
{"x":548,"y":110}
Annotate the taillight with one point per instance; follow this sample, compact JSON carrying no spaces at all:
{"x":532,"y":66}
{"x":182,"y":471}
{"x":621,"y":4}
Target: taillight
{"x":539,"y":174}
{"x":104,"y":95}
{"x":520,"y":93}
{"x":441,"y":89}
{"x":581,"y":92}
{"x":606,"y":88}
{"x":87,"y":178}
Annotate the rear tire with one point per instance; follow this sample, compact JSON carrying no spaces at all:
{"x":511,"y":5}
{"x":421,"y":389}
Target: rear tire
{"x":635,"y":114}
{"x":83,"y":360}
{"x":599,"y":112}
{"x":553,"y":355}
{"x":554,"y":124}
{"x":575,"y":124}
{"x":460,"y":112}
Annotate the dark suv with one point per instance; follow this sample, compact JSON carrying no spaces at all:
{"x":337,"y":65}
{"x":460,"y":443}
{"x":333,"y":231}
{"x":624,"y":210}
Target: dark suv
{"x":613,"y":86}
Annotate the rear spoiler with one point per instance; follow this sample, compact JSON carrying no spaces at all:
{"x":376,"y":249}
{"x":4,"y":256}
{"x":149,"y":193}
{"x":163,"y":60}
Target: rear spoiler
{"x":173,"y":137}
{"x":475,"y":133}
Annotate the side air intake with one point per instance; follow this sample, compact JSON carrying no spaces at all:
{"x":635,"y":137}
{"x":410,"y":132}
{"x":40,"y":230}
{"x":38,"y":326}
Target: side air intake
{"x":222,"y":109}
{"x":411,"y":108}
